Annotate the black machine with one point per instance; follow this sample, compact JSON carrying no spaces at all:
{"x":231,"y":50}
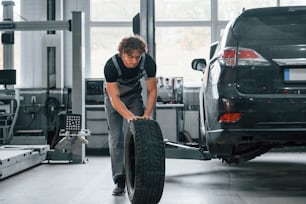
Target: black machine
{"x":94,"y":91}
{"x":8,"y":77}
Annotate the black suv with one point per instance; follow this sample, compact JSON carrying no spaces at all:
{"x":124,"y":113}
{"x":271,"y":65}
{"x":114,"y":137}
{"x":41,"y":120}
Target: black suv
{"x":254,"y":86}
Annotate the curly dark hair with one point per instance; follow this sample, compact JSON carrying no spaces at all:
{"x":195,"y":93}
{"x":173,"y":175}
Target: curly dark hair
{"x":132,"y":43}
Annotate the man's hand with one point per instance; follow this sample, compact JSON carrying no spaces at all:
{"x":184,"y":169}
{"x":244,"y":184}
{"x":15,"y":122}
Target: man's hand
{"x":134,"y":117}
{"x":144,"y":117}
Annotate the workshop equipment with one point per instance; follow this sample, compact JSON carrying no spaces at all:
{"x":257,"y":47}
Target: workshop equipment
{"x":16,"y":158}
{"x":72,"y":145}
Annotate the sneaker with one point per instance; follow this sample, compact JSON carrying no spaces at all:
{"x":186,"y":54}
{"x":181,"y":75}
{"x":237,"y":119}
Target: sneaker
{"x":119,"y":189}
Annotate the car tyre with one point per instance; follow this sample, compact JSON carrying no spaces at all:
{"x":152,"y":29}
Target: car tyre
{"x":144,"y":162}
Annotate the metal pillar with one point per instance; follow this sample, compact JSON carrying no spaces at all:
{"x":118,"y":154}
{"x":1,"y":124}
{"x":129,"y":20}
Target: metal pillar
{"x":147,"y":24}
{"x":35,"y":25}
{"x":147,"y":31}
{"x":7,"y":37}
{"x":78,"y":65}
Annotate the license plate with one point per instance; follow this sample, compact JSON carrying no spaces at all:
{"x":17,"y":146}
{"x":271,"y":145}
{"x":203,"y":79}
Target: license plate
{"x":295,"y":75}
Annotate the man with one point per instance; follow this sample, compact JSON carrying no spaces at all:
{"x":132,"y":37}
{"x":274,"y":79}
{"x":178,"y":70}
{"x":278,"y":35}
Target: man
{"x":123,"y":99}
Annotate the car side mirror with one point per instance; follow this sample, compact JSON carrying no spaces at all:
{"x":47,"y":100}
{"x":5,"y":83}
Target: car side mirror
{"x":198,"y":64}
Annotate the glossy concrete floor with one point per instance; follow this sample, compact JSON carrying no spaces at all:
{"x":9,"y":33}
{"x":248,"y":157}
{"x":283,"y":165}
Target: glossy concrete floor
{"x":273,"y":178}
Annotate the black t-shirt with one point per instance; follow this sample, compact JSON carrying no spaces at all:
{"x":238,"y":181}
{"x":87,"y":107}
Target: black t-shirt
{"x":111,"y":73}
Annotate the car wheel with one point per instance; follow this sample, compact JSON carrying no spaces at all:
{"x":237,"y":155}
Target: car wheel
{"x":144,"y":162}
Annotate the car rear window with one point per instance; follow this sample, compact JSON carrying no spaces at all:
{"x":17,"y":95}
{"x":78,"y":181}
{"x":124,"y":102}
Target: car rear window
{"x":274,"y":26}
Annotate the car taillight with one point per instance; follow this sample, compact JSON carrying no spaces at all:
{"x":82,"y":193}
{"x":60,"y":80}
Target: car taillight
{"x":229,"y":57}
{"x":245,"y":57}
{"x":229,"y":117}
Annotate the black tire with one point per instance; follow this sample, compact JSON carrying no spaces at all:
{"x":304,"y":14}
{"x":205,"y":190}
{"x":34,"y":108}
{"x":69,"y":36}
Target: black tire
{"x":144,"y":162}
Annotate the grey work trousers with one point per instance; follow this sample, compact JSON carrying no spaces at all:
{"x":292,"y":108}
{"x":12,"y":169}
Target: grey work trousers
{"x":117,"y":130}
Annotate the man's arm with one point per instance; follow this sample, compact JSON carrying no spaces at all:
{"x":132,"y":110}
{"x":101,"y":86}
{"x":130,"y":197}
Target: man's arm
{"x":114,"y":95}
{"x":151,"y":97}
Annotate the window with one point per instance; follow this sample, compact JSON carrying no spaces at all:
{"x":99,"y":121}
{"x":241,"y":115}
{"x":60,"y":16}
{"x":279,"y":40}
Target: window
{"x":292,"y":2}
{"x":186,"y":37}
{"x":178,"y":10}
{"x":102,"y":10}
{"x":110,"y":21}
{"x":104,"y":44}
{"x":184,"y":30}
{"x":175,"y":49}
{"x":228,"y":9}
{"x":183,"y":33}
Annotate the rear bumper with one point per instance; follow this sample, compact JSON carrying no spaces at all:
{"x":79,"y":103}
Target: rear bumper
{"x":222,"y":141}
{"x":265,"y":118}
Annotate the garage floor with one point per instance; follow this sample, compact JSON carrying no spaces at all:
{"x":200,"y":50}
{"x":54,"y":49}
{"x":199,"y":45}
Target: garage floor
{"x":273,"y":178}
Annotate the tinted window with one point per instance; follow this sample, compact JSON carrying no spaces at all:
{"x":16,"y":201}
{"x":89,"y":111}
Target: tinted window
{"x":290,"y":25}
